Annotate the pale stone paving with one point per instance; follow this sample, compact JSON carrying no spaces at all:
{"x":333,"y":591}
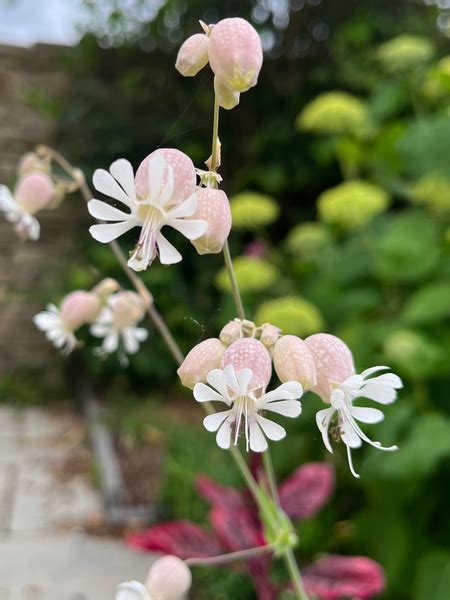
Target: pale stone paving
{"x":45,"y":499}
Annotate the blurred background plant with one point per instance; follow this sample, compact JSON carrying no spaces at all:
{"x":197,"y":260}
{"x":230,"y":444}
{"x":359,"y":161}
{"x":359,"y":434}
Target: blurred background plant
{"x":338,"y":168}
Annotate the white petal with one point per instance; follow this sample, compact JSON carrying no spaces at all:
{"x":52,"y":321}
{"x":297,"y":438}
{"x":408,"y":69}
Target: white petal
{"x":168,"y":254}
{"x":257,"y":440}
{"x":389,"y":379}
{"x":45,"y":320}
{"x":349,"y":436}
{"x":106,"y":212}
{"x":367,"y":415}
{"x":214,"y":421}
{"x":323,"y":418}
{"x":217,"y":380}
{"x":107,"y":232}
{"x":373,"y":370}
{"x":379,"y":393}
{"x":132,"y":590}
{"x":223,"y":437}
{"x":156,"y":168}
{"x":203,"y":393}
{"x":286,"y":391}
{"x":7,"y":202}
{"x":185,"y":209}
{"x":244,"y":376}
{"x":191,"y":229}
{"x":111,"y":342}
{"x":105,"y":183}
{"x":140,"y":333}
{"x":122,"y":171}
{"x":272,"y":430}
{"x":167,"y":189}
{"x":131,"y":344}
{"x":230,"y":378}
{"x":287,"y":408}
{"x":350,"y":463}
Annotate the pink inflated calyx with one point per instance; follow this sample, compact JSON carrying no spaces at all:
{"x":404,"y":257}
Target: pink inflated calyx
{"x":248,"y":353}
{"x":183,"y":169}
{"x":128,"y":308}
{"x":79,"y":308}
{"x":169,"y":578}
{"x":192,"y":55}
{"x":214,"y":208}
{"x":202,"y":359}
{"x":333,"y":360}
{"x":294,"y":361}
{"x":34,"y":192}
{"x":235,"y":53}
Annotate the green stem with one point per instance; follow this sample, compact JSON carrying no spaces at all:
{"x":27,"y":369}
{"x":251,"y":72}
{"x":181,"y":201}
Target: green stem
{"x":223,"y":559}
{"x":268,"y":466}
{"x":292,"y":567}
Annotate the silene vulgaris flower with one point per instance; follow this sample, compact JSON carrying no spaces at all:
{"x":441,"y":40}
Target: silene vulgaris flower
{"x":338,"y":385}
{"x":244,"y":407}
{"x":153,"y":204}
{"x":117,"y":325}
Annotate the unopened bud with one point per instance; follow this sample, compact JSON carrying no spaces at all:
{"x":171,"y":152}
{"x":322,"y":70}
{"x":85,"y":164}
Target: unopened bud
{"x":202,"y":359}
{"x":269,"y":335}
{"x":79,"y":308}
{"x":248,"y":353}
{"x":231,"y":332}
{"x":105,"y":288}
{"x":294,"y":361}
{"x":333,"y":360}
{"x":34,"y":192}
{"x":193,"y":55}
{"x":128,"y":308}
{"x":235,"y":53}
{"x":184,"y":176}
{"x":214,"y":208}
{"x":169,"y":578}
{"x":31,"y":163}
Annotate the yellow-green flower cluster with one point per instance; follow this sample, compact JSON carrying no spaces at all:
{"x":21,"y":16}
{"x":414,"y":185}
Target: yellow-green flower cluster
{"x":252,"y":274}
{"x":411,"y":351}
{"x":291,"y":314}
{"x":307,"y":239}
{"x":432,"y":191}
{"x":437,"y":83}
{"x":251,"y":210}
{"x":334,"y":113}
{"x":404,"y":52}
{"x":352,"y":204}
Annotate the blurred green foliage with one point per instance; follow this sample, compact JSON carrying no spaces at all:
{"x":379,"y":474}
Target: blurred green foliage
{"x":348,"y":110}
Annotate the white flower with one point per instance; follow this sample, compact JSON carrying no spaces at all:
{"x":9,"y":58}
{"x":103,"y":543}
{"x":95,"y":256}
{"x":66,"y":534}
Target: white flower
{"x":25,"y":224}
{"x":381,"y":389}
{"x":132,"y":590}
{"x":56,"y":331}
{"x":151,"y":213}
{"x":117,"y":337}
{"x":245,"y":406}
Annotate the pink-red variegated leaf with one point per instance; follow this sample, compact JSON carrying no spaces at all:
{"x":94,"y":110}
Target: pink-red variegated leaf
{"x":218,"y":494}
{"x":307,"y":490}
{"x":180,"y":538}
{"x":334,"y":577}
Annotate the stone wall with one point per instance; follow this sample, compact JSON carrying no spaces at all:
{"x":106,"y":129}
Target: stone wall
{"x":29,"y":270}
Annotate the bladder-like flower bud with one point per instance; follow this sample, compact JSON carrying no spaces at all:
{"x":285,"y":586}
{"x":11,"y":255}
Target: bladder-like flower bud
{"x":231,"y":332}
{"x":248,"y":353}
{"x":294,"y":361}
{"x":79,"y":308}
{"x":127,"y":308}
{"x":169,"y":578}
{"x":226,"y":97}
{"x":31,"y":163}
{"x":333,"y":360}
{"x":214,"y":208}
{"x":183,"y":170}
{"x":105,"y":288}
{"x":34,"y":192}
{"x":270,"y":335}
{"x":235,"y":53}
{"x":193,"y":55}
{"x":202,"y":359}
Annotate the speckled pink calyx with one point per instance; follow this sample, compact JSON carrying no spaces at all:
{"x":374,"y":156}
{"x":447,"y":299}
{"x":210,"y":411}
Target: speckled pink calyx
{"x":214,"y":208}
{"x":128,"y":309}
{"x":79,"y":308}
{"x":248,"y":353}
{"x":294,"y":361}
{"x":192,"y":55}
{"x":202,"y":359}
{"x":34,"y":192}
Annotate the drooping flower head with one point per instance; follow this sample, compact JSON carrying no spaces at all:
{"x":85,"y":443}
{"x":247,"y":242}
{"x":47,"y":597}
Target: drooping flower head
{"x":200,"y":361}
{"x":60,"y":324}
{"x":32,"y":193}
{"x":214,"y":208}
{"x":294,"y":361}
{"x":169,"y":578}
{"x":193,"y":55}
{"x":163,"y":195}
{"x":338,"y":385}
{"x":117,"y":325}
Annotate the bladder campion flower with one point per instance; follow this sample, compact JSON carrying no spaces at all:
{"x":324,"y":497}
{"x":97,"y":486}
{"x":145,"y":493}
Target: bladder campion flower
{"x":60,"y":324}
{"x":294,"y":361}
{"x":158,"y":203}
{"x":214,"y":208}
{"x":32,"y":193}
{"x":201,"y":359}
{"x":117,"y":325}
{"x":245,"y":402}
{"x":338,"y":385}
{"x":193,"y":55}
